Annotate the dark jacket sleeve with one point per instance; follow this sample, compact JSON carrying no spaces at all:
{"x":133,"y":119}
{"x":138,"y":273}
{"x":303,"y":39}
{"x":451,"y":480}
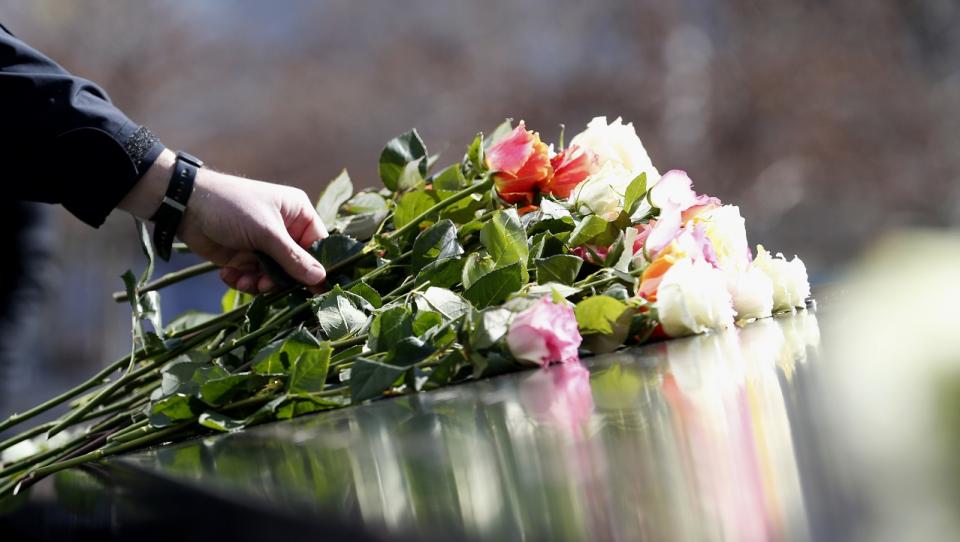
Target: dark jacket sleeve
{"x":61,"y":140}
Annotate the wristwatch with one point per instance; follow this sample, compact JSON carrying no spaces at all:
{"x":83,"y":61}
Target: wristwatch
{"x":167,"y":218}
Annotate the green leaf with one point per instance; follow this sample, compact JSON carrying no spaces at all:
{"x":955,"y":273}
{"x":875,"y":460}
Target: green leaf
{"x":444,"y":273}
{"x":146,"y":245}
{"x":590,"y":228}
{"x":411,"y":176}
{"x":171,"y":409}
{"x":278,"y":356}
{"x":362,"y":226}
{"x":505,"y":240}
{"x":220,"y":422}
{"x":635,"y":192}
{"x":219,"y":391}
{"x":450,"y":179}
{"x":369,"y":379}
{"x":298,"y":404}
{"x":189,"y":319}
{"x":411,"y":205}
{"x":437,"y":242}
{"x":544,"y":245}
{"x":426,"y":320}
{"x":616,"y":250}
{"x":390,"y":327}
{"x":476,"y":266}
{"x":492,"y":325}
{"x":474,"y":157}
{"x":365,"y":202}
{"x":400,"y":151}
{"x":409,"y":351}
{"x":341,"y":313}
{"x":495,"y":286}
{"x":598,"y":314}
{"x":334,"y":248}
{"x":450,"y":305}
{"x":309,"y":371}
{"x":334,"y":195}
{"x":562,"y":268}
{"x":186,"y":374}
{"x":367,"y":292}
{"x":233,"y":299}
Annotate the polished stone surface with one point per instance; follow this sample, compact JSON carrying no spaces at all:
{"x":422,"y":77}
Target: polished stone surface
{"x":713,"y":437}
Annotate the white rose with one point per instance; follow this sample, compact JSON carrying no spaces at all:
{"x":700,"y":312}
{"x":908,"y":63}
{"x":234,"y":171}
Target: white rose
{"x":617,"y":143}
{"x":693,"y":298}
{"x":752,"y":293}
{"x":728,"y":235}
{"x":790,"y":285}
{"x":603,"y":192}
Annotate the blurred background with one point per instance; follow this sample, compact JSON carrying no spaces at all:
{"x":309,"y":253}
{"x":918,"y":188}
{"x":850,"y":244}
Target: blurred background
{"x":828,"y":123}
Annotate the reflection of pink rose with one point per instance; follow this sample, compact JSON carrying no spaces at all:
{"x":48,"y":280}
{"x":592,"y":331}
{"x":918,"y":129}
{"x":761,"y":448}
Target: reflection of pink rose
{"x":559,"y":395}
{"x":544,"y":333}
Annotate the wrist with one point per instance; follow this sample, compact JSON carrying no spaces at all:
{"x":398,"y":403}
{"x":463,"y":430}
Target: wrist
{"x":145,"y":197}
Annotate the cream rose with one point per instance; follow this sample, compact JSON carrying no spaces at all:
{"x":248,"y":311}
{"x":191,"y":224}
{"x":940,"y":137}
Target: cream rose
{"x":790,"y":285}
{"x":693,"y":298}
{"x":602,"y":194}
{"x":617,"y":143}
{"x":727,"y":232}
{"x":752,"y":293}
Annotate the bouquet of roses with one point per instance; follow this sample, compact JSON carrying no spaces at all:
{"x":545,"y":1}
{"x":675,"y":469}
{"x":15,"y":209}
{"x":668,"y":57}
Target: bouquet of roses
{"x":520,"y":254}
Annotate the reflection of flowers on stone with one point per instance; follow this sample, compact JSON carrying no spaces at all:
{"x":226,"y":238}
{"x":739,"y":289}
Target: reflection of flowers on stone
{"x":558,"y":395}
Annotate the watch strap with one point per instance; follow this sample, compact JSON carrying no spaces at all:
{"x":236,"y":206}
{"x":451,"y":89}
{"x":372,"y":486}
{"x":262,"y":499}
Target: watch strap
{"x":168,"y":217}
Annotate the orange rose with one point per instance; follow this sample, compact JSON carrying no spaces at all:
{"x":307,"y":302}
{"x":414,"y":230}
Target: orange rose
{"x":522,"y":165}
{"x":570,"y":168}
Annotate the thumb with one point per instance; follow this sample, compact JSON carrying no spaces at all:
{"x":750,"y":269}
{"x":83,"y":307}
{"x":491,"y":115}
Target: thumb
{"x":297,"y":262}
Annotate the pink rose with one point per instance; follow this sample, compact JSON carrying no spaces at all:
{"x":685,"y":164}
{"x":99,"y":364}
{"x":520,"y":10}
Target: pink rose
{"x":522,"y":165}
{"x":673,"y":194}
{"x":545,"y":333}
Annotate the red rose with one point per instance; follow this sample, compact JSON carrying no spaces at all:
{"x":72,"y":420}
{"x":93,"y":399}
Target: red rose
{"x":521,"y":164}
{"x":570,"y":168}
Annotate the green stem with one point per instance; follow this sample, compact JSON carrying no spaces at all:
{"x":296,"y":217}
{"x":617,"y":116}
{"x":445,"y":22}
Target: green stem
{"x":108,"y":450}
{"x":94,"y":381}
{"x":107,"y":392}
{"x":170,"y":278}
{"x":130,"y":432}
{"x":415,"y":223}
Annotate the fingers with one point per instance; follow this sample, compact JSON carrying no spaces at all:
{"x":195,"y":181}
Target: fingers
{"x":297,"y":262}
{"x":307,"y":228}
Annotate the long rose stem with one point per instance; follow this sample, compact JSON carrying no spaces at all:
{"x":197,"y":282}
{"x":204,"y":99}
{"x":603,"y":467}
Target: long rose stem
{"x":171,"y":278}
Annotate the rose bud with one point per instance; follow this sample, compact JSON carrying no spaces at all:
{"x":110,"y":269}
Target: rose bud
{"x":521,"y":165}
{"x":570,"y":168}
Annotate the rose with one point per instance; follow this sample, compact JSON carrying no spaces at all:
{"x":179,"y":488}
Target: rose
{"x":691,"y":243}
{"x":693,"y":298}
{"x":570,"y":168}
{"x":672,"y":195}
{"x":728,"y":235}
{"x":602,"y":194}
{"x":617,"y":144}
{"x":521,"y":165}
{"x":790,"y":285}
{"x":545,"y":332}
{"x":752,"y":293}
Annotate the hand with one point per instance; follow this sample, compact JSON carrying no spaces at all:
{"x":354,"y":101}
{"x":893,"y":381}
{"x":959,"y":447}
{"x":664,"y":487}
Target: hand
{"x":228,"y":218}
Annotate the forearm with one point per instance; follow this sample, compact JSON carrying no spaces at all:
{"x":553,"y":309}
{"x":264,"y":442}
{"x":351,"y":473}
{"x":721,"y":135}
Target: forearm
{"x":144,"y":198}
